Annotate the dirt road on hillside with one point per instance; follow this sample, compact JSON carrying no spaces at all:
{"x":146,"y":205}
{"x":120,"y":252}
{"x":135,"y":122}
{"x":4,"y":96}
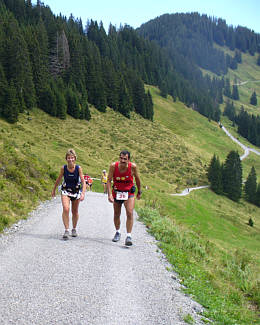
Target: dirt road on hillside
{"x":89,"y":279}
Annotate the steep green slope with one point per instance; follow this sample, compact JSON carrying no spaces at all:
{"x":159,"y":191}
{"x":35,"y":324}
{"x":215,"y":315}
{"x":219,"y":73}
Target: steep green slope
{"x":201,"y":136}
{"x":247,"y":77}
{"x":32,"y":152}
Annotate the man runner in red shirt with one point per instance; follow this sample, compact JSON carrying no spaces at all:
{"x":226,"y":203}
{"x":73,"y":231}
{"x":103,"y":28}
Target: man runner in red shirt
{"x":122,"y":173}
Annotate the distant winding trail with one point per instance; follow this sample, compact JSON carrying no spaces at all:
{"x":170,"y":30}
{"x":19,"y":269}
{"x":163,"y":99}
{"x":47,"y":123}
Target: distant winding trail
{"x":245,"y":82}
{"x":247,"y":150}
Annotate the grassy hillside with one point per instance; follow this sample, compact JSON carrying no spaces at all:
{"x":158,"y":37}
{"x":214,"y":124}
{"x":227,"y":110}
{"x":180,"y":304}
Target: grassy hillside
{"x":247,"y":76}
{"x":201,"y":136}
{"x":204,"y":235}
{"x":33,"y":150}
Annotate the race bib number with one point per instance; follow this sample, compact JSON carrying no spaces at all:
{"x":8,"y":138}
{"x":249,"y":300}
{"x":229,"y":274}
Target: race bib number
{"x":122,"y":196}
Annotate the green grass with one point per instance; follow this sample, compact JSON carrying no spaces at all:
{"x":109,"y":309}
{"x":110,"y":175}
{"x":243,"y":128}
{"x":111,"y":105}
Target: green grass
{"x":214,"y":253}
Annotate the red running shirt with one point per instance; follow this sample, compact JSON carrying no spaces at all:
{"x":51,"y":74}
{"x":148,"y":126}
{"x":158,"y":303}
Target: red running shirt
{"x":123,"y":181}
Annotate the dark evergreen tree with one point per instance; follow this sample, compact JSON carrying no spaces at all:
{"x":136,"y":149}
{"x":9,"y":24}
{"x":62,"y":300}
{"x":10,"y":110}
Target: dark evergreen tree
{"x":250,"y":187}
{"x":11,"y":107}
{"x":253,"y":99}
{"x":149,"y":106}
{"x":233,"y":64}
{"x":232,"y":176}
{"x":47,"y":100}
{"x":37,"y":41}
{"x":229,"y":110}
{"x":138,"y":97}
{"x":112,"y":83}
{"x":3,"y":90}
{"x":258,"y":59}
{"x":257,"y":198}
{"x":84,"y":108}
{"x":238,"y":56}
{"x":227,"y":91}
{"x":94,"y":81}
{"x":243,"y":122}
{"x":124,"y":102}
{"x":73,"y":105}
{"x":215,"y":175}
{"x":235,"y":94}
{"x":164,"y":90}
{"x":17,"y":64}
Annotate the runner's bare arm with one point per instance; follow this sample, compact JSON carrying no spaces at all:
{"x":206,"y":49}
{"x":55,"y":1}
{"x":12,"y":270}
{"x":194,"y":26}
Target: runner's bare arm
{"x":109,"y":182}
{"x":83,"y":184}
{"x":57,"y":182}
{"x":137,"y":180}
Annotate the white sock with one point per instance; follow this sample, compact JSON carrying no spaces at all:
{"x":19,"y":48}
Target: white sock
{"x":118,"y":231}
{"x":128,"y":234}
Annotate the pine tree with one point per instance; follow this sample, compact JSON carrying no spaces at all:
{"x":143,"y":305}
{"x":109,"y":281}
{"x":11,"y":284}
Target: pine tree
{"x":3,"y":90}
{"x":235,"y":94}
{"x":258,"y":60}
{"x":257,"y":197}
{"x":253,"y":99}
{"x":124,"y":102}
{"x":11,"y":108}
{"x":164,"y":90}
{"x":61,"y":105}
{"x":17,"y":63}
{"x":47,"y":100}
{"x":251,"y":186}
{"x":227,"y":91}
{"x":84,"y":112}
{"x":94,"y":80}
{"x":232,"y":176}
{"x":215,"y":175}
{"x":229,"y":110}
{"x":73,"y":104}
{"x":37,"y":41}
{"x":149,"y":106}
{"x":138,"y":97}
{"x":238,"y":56}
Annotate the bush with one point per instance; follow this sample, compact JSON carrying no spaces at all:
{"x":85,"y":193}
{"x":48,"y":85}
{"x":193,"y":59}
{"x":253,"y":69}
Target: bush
{"x":251,"y":222}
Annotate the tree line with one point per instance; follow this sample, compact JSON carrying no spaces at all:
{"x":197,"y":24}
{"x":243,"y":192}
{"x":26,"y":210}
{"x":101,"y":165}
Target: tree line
{"x":193,"y":36}
{"x":226,"y":179}
{"x":190,"y":39}
{"x":54,"y":63}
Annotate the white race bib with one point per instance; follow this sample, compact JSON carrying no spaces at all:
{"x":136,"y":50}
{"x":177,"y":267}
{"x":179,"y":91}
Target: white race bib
{"x":122,"y":196}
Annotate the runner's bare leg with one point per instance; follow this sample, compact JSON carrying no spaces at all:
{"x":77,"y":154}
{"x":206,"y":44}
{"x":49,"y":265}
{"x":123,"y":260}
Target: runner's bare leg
{"x":117,"y":213}
{"x":129,"y":207}
{"x":66,"y":210}
{"x":75,"y":212}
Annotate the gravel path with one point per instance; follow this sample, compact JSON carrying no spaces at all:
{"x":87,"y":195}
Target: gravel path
{"x":89,"y":279}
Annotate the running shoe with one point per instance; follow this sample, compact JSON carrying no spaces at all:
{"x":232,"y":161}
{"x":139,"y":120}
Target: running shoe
{"x":74,"y":232}
{"x":66,"y":235}
{"x":116,"y":237}
{"x":128,"y":241}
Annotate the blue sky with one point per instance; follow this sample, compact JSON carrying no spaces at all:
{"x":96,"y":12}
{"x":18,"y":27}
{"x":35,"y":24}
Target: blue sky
{"x":135,"y":12}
